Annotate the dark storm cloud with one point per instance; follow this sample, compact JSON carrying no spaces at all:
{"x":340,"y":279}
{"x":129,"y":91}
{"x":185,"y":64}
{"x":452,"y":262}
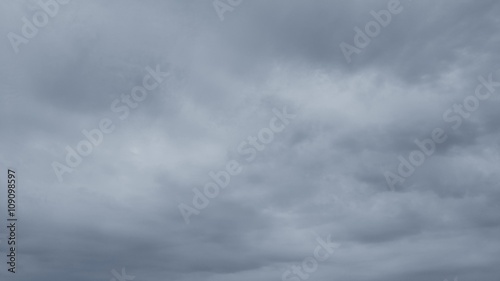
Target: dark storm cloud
{"x":323,"y":174}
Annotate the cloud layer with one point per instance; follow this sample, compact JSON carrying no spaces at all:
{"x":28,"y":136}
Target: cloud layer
{"x":322,"y":175}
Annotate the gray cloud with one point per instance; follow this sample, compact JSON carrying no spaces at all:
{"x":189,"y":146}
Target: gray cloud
{"x":324,"y":174}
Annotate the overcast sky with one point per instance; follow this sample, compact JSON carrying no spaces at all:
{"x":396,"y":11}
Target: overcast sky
{"x":223,"y":74}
